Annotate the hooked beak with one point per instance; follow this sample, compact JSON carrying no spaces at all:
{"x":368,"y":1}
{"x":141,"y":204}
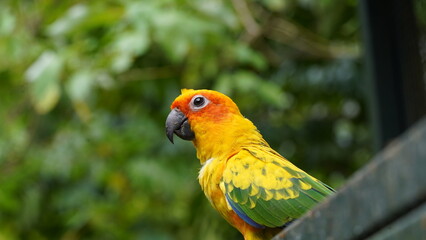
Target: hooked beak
{"x":178,"y":124}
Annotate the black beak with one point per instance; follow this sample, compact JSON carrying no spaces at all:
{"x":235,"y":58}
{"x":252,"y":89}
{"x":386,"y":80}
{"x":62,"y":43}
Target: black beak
{"x":178,"y":124}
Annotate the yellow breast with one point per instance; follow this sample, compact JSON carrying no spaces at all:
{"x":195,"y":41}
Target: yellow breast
{"x":210,"y":176}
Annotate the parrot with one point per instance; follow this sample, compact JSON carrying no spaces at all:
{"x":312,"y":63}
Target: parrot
{"x":252,"y":186}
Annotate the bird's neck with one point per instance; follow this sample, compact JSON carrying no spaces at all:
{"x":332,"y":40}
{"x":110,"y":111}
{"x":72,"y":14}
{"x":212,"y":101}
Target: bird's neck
{"x":220,"y":140}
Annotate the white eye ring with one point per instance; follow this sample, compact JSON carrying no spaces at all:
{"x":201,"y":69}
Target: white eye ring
{"x":198,"y":102}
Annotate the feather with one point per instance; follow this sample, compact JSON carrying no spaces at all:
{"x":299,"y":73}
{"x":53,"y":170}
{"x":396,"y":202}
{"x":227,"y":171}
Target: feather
{"x":278,"y":191}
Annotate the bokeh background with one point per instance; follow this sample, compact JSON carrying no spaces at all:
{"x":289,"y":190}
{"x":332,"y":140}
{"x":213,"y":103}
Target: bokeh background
{"x":86,"y":87}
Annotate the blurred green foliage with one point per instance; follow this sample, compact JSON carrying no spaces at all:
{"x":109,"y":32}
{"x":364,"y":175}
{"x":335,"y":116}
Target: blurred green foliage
{"x":86,"y":87}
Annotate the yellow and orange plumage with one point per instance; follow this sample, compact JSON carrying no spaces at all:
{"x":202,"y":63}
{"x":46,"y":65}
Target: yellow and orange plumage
{"x":252,"y":186}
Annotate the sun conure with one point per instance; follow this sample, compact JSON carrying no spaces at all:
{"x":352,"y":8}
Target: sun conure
{"x":251,"y":185}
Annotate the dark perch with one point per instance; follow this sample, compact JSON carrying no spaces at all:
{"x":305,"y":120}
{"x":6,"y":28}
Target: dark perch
{"x":384,"y":200}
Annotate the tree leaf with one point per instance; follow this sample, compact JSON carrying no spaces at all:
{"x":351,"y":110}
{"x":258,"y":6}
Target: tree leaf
{"x":80,"y":85}
{"x":127,"y":46}
{"x":43,"y":76}
{"x":65,"y":24}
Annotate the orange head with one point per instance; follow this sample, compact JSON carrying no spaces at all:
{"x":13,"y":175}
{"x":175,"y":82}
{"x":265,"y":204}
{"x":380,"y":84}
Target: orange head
{"x":212,"y":121}
{"x":194,"y":108}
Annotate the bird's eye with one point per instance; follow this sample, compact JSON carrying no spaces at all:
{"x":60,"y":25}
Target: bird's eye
{"x":199,"y":102}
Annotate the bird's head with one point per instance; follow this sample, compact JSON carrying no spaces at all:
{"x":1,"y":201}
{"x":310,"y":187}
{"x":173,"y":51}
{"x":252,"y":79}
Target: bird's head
{"x":212,"y":121}
{"x":195,"y":112}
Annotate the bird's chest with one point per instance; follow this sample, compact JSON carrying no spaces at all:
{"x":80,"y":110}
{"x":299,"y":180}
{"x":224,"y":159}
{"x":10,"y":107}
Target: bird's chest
{"x":210,"y":177}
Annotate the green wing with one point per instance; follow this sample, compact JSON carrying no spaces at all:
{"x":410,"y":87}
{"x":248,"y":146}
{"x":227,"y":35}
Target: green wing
{"x":265,"y":189}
